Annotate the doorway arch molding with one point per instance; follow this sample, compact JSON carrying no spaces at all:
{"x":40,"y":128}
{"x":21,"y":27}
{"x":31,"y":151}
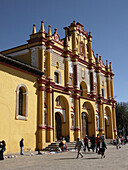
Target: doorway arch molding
{"x":62,"y":111}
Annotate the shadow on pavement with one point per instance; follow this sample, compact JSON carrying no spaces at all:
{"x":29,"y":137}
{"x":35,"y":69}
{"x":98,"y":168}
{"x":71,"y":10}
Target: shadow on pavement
{"x":75,"y":158}
{"x":64,"y":158}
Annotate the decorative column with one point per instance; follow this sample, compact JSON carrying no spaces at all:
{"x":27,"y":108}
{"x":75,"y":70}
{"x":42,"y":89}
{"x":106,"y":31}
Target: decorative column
{"x":49,"y":87}
{"x":98,"y":76}
{"x":66,"y":63}
{"x":108,"y":81}
{"x":42,"y":48}
{"x":74,"y":49}
{"x":111,"y":81}
{"x":100,"y":105}
{"x":40,"y":120}
{"x":90,"y":55}
{"x":114,"y":120}
{"x":76,"y":103}
{"x":49,"y":111}
{"x":92,"y":91}
{"x":113,"y":101}
{"x":49,"y":53}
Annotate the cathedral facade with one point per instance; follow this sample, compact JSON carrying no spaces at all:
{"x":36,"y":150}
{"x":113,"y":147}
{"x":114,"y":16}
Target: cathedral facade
{"x":53,"y":88}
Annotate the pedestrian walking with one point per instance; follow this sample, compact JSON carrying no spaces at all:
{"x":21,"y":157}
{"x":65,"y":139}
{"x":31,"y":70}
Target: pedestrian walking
{"x":92,"y":139}
{"x":21,"y":146}
{"x":117,"y":142}
{"x":86,"y":143}
{"x":97,"y":140}
{"x":79,"y":144}
{"x":102,"y":147}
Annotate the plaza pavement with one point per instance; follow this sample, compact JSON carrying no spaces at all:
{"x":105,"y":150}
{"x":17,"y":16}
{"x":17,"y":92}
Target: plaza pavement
{"x":114,"y":160}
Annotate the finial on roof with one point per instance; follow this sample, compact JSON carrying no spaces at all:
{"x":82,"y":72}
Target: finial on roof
{"x":106,"y":63}
{"x":89,"y":35}
{"x":42,"y":27}
{"x":34,"y":29}
{"x":110,"y":66}
{"x":49,"y":31}
{"x":97,"y":58}
{"x":55,"y":30}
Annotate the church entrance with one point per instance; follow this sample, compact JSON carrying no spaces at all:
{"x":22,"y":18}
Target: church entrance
{"x":58,"y":126}
{"x":84,"y":125}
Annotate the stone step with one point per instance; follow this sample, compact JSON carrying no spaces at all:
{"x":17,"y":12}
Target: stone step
{"x":55,"y":146}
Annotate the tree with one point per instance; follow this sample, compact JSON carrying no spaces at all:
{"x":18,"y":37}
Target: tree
{"x":122,"y":118}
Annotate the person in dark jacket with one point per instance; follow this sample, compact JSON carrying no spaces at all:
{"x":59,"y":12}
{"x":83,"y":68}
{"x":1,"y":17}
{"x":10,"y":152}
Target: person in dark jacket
{"x":21,"y":146}
{"x":4,"y":145}
{"x":86,"y":143}
{"x":1,"y":151}
{"x":102,"y":147}
{"x":92,"y":139}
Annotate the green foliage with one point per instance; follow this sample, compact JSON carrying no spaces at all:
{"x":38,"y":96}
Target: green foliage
{"x":122,"y":116}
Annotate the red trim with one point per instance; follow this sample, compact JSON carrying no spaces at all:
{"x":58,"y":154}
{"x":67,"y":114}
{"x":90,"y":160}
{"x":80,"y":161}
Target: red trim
{"x":58,"y":42}
{"x":42,"y":81}
{"x":83,"y":62}
{"x":7,"y":65}
{"x":59,"y":108}
{"x":50,"y":128}
{"x":76,"y":97}
{"x":41,"y":127}
{"x":101,"y":130}
{"x":114,"y":130}
{"x":87,"y":98}
{"x":72,"y":128}
{"x":49,"y":43}
{"x":77,"y":129}
{"x":49,"y":90}
{"x":62,"y":92}
{"x":58,"y":87}
{"x":41,"y":88}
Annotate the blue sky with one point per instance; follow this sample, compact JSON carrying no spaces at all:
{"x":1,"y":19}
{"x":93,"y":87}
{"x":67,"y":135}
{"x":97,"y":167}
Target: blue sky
{"x":107,"y":20}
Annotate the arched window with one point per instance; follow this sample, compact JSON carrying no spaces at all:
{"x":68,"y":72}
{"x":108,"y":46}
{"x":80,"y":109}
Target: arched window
{"x":103,"y":92}
{"x":58,"y":101}
{"x":81,"y":90}
{"x":21,"y":102}
{"x":57,"y":77}
{"x":84,"y":105}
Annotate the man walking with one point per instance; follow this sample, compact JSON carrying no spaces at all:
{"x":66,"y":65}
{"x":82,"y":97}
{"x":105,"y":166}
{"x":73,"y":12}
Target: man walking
{"x":86,"y":143}
{"x":79,"y":144}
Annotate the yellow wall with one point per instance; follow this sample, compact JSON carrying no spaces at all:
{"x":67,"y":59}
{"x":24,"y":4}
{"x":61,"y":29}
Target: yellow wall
{"x":12,"y":130}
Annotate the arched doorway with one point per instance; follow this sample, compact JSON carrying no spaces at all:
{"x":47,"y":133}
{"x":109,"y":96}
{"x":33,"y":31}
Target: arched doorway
{"x":84,"y":125}
{"x":108,"y":123}
{"x":90,"y":123}
{"x":58,"y":126}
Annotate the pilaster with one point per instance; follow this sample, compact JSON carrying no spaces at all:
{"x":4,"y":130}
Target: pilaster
{"x":114,"y":120}
{"x":49,"y":111}
{"x":108,"y":81}
{"x":101,"y":117}
{"x":41,"y":125}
